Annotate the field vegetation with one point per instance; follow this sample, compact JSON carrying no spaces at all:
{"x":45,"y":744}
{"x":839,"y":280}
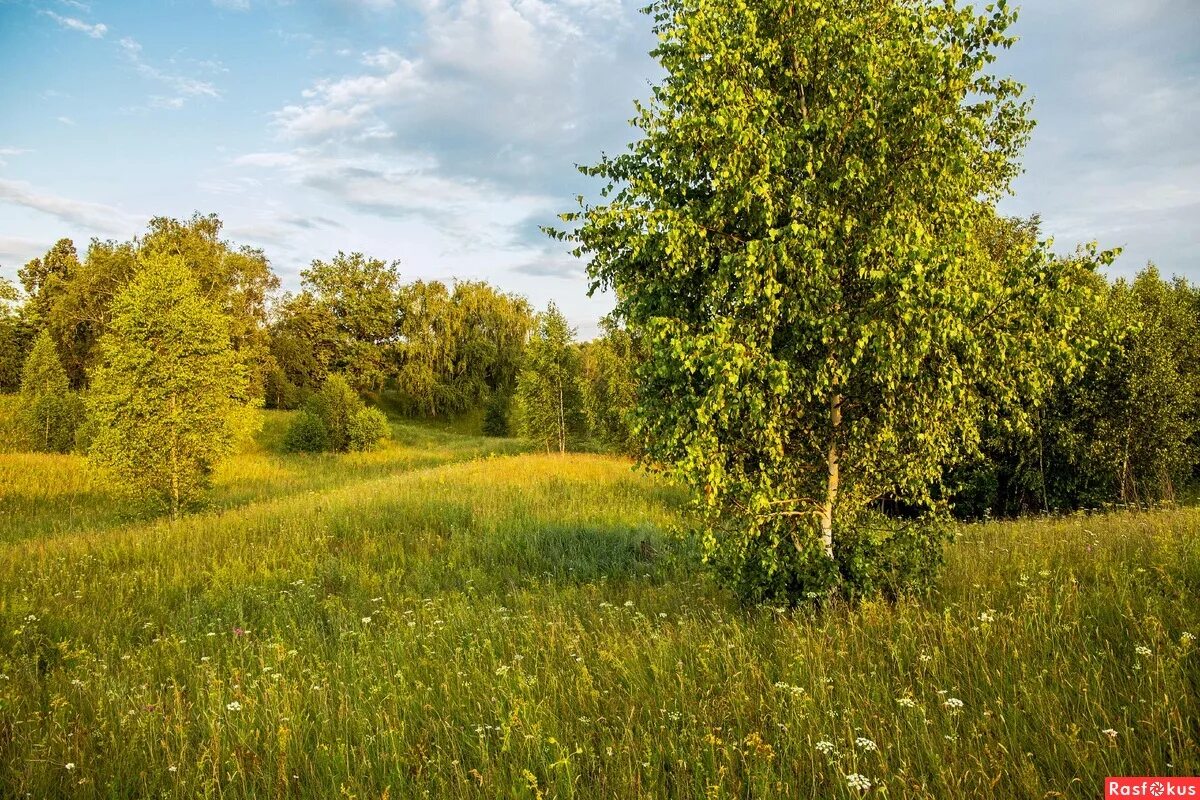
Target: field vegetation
{"x":442,"y":619}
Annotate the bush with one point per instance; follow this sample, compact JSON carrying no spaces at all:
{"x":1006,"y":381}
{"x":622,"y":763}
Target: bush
{"x":495,"y":416}
{"x":336,"y":405}
{"x":306,"y":434}
{"x":368,"y":429}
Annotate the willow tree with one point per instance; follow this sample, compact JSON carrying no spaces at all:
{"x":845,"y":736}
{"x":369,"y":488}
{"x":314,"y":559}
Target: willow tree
{"x":170,"y":393}
{"x":799,"y":235}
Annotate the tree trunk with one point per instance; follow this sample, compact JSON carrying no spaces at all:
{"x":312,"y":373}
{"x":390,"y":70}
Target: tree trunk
{"x":562,"y":422}
{"x":833,"y":475}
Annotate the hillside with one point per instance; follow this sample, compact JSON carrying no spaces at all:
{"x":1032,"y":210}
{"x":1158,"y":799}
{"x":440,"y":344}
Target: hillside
{"x":435,"y":621}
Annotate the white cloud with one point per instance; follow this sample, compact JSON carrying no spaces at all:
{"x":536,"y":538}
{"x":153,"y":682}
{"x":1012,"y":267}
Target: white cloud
{"x":180,"y":84}
{"x":95,"y":31}
{"x":16,"y":251}
{"x":66,"y":121}
{"x":9,"y":152}
{"x":92,"y":216}
{"x":232,"y":5}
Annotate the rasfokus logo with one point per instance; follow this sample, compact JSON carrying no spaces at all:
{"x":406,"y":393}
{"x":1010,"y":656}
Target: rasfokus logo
{"x":1151,"y":787}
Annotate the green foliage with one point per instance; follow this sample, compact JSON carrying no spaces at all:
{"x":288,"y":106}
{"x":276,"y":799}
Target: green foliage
{"x":351,"y":305}
{"x":336,"y":405}
{"x":549,"y":399}
{"x":306,"y":434}
{"x":73,"y":299}
{"x":337,"y":420}
{"x":496,"y":415}
{"x":170,"y":393}
{"x":801,"y":237}
{"x":369,"y":429}
{"x":1122,"y":432}
{"x":13,"y":338}
{"x":50,"y":412}
{"x":608,"y":366}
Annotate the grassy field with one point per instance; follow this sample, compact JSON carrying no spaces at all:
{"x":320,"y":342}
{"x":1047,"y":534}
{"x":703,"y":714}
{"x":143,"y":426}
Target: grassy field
{"x":432,"y":621}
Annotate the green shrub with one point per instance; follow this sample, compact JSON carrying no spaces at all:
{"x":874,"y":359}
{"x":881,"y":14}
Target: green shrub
{"x":49,"y":411}
{"x":336,"y":405}
{"x":495,"y":416}
{"x":368,"y":429}
{"x":306,"y":434}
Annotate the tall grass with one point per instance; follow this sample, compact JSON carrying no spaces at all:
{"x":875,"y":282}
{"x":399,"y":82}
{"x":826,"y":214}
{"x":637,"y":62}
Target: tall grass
{"x":521,"y":627}
{"x":47,"y":494}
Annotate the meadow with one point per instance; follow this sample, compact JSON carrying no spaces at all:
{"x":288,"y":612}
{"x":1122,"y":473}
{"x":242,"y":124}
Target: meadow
{"x":453,"y":617}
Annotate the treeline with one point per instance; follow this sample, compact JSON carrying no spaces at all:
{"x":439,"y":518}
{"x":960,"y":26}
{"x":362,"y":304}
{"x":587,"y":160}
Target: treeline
{"x":1125,"y":430}
{"x":421,"y":348}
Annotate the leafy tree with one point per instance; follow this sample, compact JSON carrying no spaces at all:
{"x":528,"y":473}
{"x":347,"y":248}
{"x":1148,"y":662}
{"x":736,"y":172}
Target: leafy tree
{"x":489,"y":341}
{"x":801,"y":238}
{"x":12,"y":337}
{"x":549,"y":400}
{"x":49,"y":411}
{"x":425,"y":351}
{"x":608,"y":367}
{"x":359,"y":295}
{"x":304,"y":344}
{"x":169,"y":393}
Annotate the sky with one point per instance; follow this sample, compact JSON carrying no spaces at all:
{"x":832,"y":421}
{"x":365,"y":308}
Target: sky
{"x":443,"y":133}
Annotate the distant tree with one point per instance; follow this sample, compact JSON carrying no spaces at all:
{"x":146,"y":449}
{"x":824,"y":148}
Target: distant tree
{"x":73,"y":298}
{"x":549,"y":401}
{"x":609,"y":364}
{"x":359,"y":295}
{"x":425,"y":351}
{"x":170,"y":393}
{"x":49,"y":411}
{"x":800,"y":238}
{"x":304,"y":344}
{"x":489,"y":342}
{"x":12,"y":337}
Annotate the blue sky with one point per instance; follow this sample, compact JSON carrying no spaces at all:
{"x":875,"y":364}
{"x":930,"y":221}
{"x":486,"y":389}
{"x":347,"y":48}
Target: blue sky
{"x":443,"y":132}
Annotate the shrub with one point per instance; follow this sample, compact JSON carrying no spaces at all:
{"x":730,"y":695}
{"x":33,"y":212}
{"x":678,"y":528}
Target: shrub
{"x":306,"y":434}
{"x":368,"y":429}
{"x":336,"y":404}
{"x":49,"y":411}
{"x":495,"y":416}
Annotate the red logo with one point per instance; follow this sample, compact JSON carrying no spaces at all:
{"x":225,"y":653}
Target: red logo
{"x":1151,"y":787}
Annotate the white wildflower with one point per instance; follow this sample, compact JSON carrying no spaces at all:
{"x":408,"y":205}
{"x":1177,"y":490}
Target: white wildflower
{"x":906,"y":702}
{"x":1143,"y":651}
{"x":69,"y":766}
{"x":864,"y":743}
{"x":1110,"y":733}
{"x":825,"y":746}
{"x":856,"y":781}
{"x":233,"y":706}
{"x":953,"y":703}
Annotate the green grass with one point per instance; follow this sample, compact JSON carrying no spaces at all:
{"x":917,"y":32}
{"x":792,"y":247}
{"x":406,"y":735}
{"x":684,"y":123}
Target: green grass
{"x":47,"y":495}
{"x":439,"y":625}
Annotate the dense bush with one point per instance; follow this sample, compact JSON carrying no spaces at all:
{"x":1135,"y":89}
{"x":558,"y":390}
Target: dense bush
{"x":368,"y":429}
{"x":336,"y":419}
{"x":306,"y":434}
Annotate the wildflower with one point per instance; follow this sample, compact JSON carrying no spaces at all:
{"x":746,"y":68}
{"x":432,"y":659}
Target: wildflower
{"x":825,"y":746}
{"x":69,"y":766}
{"x":1110,"y":733}
{"x":629,"y":604}
{"x":239,"y":632}
{"x":925,"y":657}
{"x":366,"y":620}
{"x":1187,"y":637}
{"x":503,"y":668}
{"x":953,"y":703}
{"x":1143,"y":651}
{"x":856,"y":781}
{"x":866,"y":744}
{"x":233,"y":706}
{"x":906,"y":702}
{"x":987,"y":616}
{"x":172,"y":768}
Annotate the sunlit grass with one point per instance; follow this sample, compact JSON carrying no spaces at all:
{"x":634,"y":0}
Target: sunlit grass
{"x":45,"y":495}
{"x":522,"y":627}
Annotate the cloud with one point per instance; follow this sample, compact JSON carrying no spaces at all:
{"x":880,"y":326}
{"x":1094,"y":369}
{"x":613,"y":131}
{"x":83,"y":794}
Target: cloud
{"x":17,"y":251}
{"x":182,"y":85}
{"x":92,"y":216}
{"x":232,"y":5}
{"x":9,"y":152}
{"x":66,"y":121}
{"x":95,"y":31}
{"x":1115,"y":157}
